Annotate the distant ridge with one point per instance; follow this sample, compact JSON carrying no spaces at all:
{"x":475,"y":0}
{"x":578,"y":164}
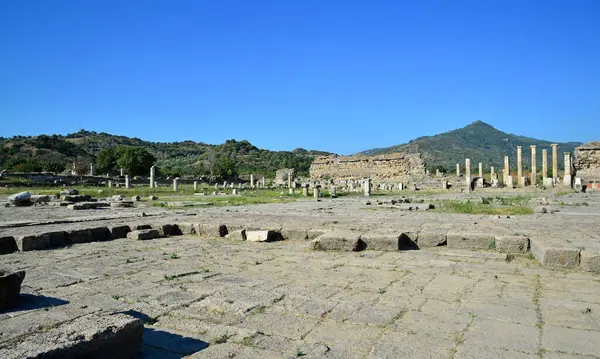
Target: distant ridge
{"x":478,"y":141}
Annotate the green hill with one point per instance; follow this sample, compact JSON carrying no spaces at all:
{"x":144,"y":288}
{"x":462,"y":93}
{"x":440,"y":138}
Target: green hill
{"x":478,"y":141}
{"x":56,"y":153}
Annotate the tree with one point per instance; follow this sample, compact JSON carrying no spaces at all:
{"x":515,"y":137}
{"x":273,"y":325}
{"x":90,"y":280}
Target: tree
{"x":134,"y":160}
{"x":225,"y":168}
{"x":81,"y":167}
{"x":106,"y":162}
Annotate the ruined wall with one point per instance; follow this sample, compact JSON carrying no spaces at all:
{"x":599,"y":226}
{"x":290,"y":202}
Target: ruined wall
{"x":587,"y":161}
{"x":281,"y":176}
{"x":401,"y":167}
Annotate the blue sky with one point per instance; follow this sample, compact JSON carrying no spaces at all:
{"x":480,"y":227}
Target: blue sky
{"x":341,"y":76}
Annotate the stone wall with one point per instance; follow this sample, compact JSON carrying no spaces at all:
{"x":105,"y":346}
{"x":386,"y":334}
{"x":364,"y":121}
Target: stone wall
{"x":400,"y":167}
{"x":587,"y":161}
{"x":281,"y":176}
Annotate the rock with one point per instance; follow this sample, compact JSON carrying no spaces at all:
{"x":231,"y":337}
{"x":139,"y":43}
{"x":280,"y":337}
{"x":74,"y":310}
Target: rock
{"x":118,"y":231}
{"x":135,"y":198}
{"x":69,"y":192}
{"x":8,"y":245}
{"x":42,"y":241}
{"x":166,"y":230}
{"x":40,"y":199}
{"x":20,"y":199}
{"x":339,"y":240}
{"x":143,"y":234}
{"x":263,"y":236}
{"x":590,"y":260}
{"x":10,"y":288}
{"x":118,"y":197}
{"x":152,"y":198}
{"x":121,"y":204}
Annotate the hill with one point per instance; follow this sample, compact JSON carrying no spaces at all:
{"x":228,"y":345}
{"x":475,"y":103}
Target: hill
{"x":478,"y":141}
{"x":56,"y":153}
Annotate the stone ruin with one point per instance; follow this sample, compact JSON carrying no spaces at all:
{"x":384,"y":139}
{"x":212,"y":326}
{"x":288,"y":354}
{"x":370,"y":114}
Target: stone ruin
{"x":283,"y":175}
{"x":587,"y":164}
{"x":396,"y":167}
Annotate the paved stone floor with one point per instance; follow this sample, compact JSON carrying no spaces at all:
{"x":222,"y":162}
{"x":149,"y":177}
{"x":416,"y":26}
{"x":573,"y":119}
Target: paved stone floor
{"x":215,"y":298}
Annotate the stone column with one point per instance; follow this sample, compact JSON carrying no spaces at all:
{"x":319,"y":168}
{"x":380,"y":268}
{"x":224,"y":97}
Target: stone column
{"x":317,"y":192}
{"x":264,"y":182}
{"x":367,"y":187}
{"x":468,"y":172}
{"x":152,"y":175}
{"x":554,"y":160}
{"x":492,"y":173}
{"x":457,"y":170}
{"x":175,"y":184}
{"x":333,"y":192}
{"x":305,"y":190}
{"x":506,"y":168}
{"x":480,"y":170}
{"x":91,"y":169}
{"x":533,"y":166}
{"x":289,"y":180}
{"x":109,"y":184}
{"x":544,"y":164}
{"x":126,"y":181}
{"x":195,"y":186}
{"x":567,"y":181}
{"x":291,"y":191}
{"x":122,"y":172}
{"x":519,"y":167}
{"x":251,"y":181}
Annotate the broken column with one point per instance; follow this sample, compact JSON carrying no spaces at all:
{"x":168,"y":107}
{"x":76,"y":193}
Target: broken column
{"x":175,"y":184}
{"x":554,"y":160}
{"x":91,"y":169}
{"x":251,"y":181}
{"x":264,"y":182}
{"x":457,"y":170}
{"x":567,"y":180}
{"x":152,"y":175}
{"x":533,"y":166}
{"x":333,"y":191}
{"x":122,"y":172}
{"x":317,"y":192}
{"x":520,"y":167}
{"x":506,"y":169}
{"x":195,"y":186}
{"x":305,"y":190}
{"x":109,"y":184}
{"x":367,"y":187}
{"x":289,"y":180}
{"x":468,"y":172}
{"x":480,"y":170}
{"x":126,"y":181}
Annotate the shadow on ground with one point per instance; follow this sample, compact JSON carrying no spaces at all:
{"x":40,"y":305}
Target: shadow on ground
{"x":32,"y":301}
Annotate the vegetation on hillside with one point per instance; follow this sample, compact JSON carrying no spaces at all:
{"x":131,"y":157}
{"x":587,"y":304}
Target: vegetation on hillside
{"x":478,"y":141}
{"x":108,"y":153}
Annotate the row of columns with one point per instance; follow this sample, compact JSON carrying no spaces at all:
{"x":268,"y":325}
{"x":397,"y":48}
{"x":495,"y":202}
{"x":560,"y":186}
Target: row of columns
{"x":567,"y":180}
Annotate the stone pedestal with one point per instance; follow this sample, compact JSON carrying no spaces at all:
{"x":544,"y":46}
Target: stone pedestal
{"x":127,"y":182}
{"x":234,"y":191}
{"x":333,"y":192}
{"x":578,"y":185}
{"x":109,"y":184}
{"x":401,"y":186}
{"x":291,"y":191}
{"x":508,"y":182}
{"x":305,"y":191}
{"x":480,"y":182}
{"x":195,"y":186}
{"x":317,"y":192}
{"x":175,"y":184}
{"x":548,"y":182}
{"x":520,"y":166}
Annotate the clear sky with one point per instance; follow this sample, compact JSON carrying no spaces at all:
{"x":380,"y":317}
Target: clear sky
{"x":341,"y":76}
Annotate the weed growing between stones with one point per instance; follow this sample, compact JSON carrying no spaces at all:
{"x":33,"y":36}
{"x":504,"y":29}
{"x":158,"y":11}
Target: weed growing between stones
{"x":496,"y":208}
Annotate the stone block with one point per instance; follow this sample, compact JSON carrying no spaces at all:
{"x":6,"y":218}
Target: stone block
{"x":143,"y":234}
{"x":380,"y":241}
{"x":119,"y":231}
{"x":42,"y":241}
{"x":237,"y":235}
{"x":137,"y":227}
{"x":432,"y":238}
{"x":117,"y":336}
{"x":316,"y":232}
{"x":469,"y":239}
{"x":8,"y":245}
{"x":167,"y":229}
{"x":590,"y":260}
{"x":263,"y":236}
{"x":294,"y":234}
{"x":80,"y":235}
{"x":211,"y":230}
{"x":339,"y":240}
{"x":512,"y":244}
{"x":10,"y":288}
{"x":555,"y":255}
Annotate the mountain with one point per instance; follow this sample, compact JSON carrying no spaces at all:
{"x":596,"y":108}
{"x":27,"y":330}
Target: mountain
{"x":56,"y":153}
{"x":478,"y":141}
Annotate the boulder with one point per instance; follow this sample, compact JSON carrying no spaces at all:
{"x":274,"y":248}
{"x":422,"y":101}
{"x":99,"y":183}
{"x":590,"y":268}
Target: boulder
{"x":10,"y":288}
{"x":8,"y":245}
{"x":20,"y":199}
